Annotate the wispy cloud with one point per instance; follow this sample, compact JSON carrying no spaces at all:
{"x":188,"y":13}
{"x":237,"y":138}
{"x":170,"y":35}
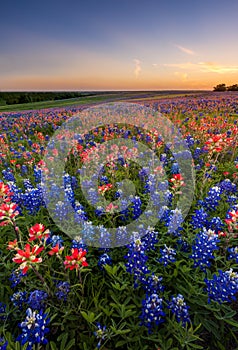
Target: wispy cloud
{"x":137,"y":68}
{"x":185,"y":50}
{"x":205,"y":67}
{"x":182,"y":76}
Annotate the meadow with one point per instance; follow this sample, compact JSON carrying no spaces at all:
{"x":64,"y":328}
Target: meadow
{"x":169,"y":283}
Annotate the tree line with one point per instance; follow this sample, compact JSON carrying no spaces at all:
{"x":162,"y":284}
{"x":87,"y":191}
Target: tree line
{"x":223,"y":87}
{"x":9,"y":98}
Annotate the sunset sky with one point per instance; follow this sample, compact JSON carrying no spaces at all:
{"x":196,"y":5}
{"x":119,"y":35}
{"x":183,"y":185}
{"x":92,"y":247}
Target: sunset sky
{"x":118,"y":44}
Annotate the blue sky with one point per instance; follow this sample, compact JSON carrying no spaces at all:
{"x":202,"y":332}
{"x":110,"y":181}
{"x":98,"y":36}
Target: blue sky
{"x":113,"y":45}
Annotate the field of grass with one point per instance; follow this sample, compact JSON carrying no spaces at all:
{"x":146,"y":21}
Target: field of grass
{"x":98,"y":98}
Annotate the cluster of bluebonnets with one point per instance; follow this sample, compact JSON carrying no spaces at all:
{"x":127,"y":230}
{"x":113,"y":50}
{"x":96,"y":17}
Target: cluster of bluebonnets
{"x":205,"y":242}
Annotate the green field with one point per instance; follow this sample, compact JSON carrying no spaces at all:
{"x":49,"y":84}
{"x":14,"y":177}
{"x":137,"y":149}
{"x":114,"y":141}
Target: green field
{"x":98,"y":98}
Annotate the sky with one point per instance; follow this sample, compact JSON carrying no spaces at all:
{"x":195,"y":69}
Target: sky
{"x":118,"y":45}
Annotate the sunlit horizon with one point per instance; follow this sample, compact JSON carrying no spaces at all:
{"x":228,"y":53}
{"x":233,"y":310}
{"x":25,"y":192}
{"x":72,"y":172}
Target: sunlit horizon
{"x":125,"y":46}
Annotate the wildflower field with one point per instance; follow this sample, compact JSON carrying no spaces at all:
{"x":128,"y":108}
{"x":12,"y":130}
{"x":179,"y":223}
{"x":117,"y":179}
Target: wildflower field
{"x":169,"y":283}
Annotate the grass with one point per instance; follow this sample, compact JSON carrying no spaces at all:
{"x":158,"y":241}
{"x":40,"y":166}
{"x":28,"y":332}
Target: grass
{"x":78,"y":101}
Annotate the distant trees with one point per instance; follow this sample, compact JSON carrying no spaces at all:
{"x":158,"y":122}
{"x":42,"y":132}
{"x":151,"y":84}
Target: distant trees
{"x":223,"y":87}
{"x":8,"y":98}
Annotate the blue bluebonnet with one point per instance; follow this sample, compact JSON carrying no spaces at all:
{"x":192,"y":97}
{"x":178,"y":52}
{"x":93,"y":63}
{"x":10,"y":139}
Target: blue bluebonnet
{"x":222,"y":287}
{"x":174,"y":221}
{"x":179,"y":308}
{"x":136,"y":260}
{"x":136,"y":207}
{"x":19,"y":298}
{"x":37,"y":299}
{"x":3,"y":315}
{"x":228,"y":187}
{"x":202,"y":250}
{"x":3,"y":344}
{"x":152,"y":311}
{"x":152,"y":284}
{"x":87,"y":231}
{"x":167,"y":255}
{"x":233,"y":253}
{"x":78,"y":243}
{"x":16,"y":277}
{"x":34,"y":328}
{"x":215,"y":224}
{"x":100,"y":334}
{"x":199,"y":219}
{"x":104,"y":259}
{"x":80,"y":214}
{"x":63,"y":289}
{"x":32,"y":200}
{"x":175,"y":169}
{"x":53,"y":240}
{"x":104,"y":238}
{"x":149,"y":238}
{"x":213,"y":198}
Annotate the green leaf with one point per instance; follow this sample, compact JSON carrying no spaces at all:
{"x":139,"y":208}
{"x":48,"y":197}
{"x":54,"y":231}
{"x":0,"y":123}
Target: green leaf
{"x":63,"y":341}
{"x":70,"y":344}
{"x":53,"y":346}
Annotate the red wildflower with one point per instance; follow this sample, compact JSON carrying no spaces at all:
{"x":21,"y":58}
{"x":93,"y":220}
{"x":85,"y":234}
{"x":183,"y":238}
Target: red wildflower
{"x":56,"y":250}
{"x":8,"y":212}
{"x":13,"y":245}
{"x":5,"y":193}
{"x":26,"y":258}
{"x":37,"y":232}
{"x":75,"y":260}
{"x":104,"y":188}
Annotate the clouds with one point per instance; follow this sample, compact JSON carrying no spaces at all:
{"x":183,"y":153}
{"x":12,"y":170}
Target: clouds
{"x":185,"y":50}
{"x":204,"y":67}
{"x":137,"y":69}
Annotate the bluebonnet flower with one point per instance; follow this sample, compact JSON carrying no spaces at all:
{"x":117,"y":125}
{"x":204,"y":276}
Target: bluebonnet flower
{"x":136,"y":260}
{"x":78,"y":243}
{"x":80,"y":214}
{"x":34,"y":329}
{"x":87,"y":232}
{"x":202,"y":251}
{"x":136,"y":207}
{"x":174,"y":221}
{"x":37,"y":174}
{"x":152,"y":284}
{"x":183,"y":245}
{"x":149,"y":239}
{"x":152,"y":311}
{"x":3,"y":311}
{"x":179,"y":308}
{"x":27,"y":184}
{"x":175,"y":169}
{"x":32,"y":200}
{"x":8,"y":175}
{"x":3,"y":344}
{"x":37,"y":299}
{"x":199,"y":219}
{"x":213,"y":198}
{"x":69,"y":194}
{"x":16,"y":277}
{"x":18,"y":299}
{"x":233,"y":253}
{"x":228,"y":187}
{"x":215,"y":224}
{"x":222,"y":287}
{"x":167,"y":255}
{"x":63,"y":289}
{"x":104,"y":259}
{"x":105,"y":237}
{"x":100,"y":334}
{"x":54,"y":240}
{"x":62,"y":210}
{"x":93,"y":196}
